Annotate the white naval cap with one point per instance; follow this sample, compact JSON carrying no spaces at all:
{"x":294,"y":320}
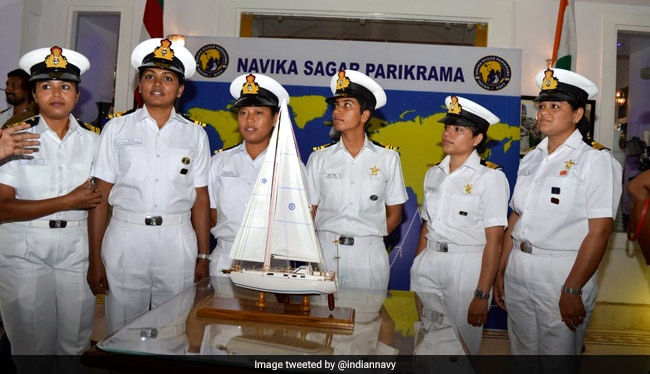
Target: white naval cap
{"x":54,"y":63}
{"x":257,"y":90}
{"x":351,"y":83}
{"x":465,"y":112}
{"x":563,"y":85}
{"x":164,"y":54}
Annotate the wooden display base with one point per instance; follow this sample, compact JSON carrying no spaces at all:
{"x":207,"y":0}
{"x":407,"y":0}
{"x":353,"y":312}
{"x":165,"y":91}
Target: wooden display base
{"x":279,"y":313}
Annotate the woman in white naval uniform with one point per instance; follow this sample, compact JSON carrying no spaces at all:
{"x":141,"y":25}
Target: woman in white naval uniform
{"x":233,"y":171}
{"x":152,"y":168}
{"x":465,"y":211}
{"x":564,"y":203}
{"x":47,"y":307}
{"x":356,"y":187}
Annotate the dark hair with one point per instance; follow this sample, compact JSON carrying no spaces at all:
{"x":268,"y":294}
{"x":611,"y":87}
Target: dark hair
{"x":583,"y":125}
{"x":24,"y":77}
{"x":480,"y":147}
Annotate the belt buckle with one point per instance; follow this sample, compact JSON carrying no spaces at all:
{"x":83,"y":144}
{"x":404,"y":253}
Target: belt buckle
{"x":346,"y":240}
{"x":442,"y":247}
{"x":153,"y":221}
{"x":58,"y":224}
{"x":526,"y":247}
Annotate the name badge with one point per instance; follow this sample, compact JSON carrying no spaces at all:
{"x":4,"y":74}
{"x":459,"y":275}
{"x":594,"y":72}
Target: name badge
{"x":32,"y":161}
{"x":523,"y":172}
{"x":431,"y":189}
{"x":130,"y":141}
{"x":332,"y":176}
{"x":228,"y":173}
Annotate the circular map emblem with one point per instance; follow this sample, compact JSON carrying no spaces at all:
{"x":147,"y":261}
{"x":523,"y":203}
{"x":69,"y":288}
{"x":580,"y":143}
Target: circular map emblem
{"x":211,"y":60}
{"x":492,"y":73}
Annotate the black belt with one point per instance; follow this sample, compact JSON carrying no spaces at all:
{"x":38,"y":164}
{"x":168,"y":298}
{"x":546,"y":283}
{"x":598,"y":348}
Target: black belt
{"x":58,"y":224}
{"x":346,"y":240}
{"x":153,"y":220}
{"x":441,"y":247}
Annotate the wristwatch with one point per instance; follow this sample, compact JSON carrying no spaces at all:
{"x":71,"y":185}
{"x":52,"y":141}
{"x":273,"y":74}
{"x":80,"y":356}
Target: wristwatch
{"x":204,"y":256}
{"x":480,"y":294}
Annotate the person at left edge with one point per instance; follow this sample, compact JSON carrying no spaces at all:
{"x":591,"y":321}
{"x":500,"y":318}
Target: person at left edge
{"x":152,"y":168}
{"x":19,"y":96}
{"x":13,"y":141}
{"x":46,"y":305}
{"x":465,"y":211}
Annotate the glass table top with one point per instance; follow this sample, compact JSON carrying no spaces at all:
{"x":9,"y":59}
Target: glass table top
{"x":386,"y":323}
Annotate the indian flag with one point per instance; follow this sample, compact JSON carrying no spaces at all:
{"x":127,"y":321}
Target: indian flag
{"x":153,"y":19}
{"x":564,"y":47}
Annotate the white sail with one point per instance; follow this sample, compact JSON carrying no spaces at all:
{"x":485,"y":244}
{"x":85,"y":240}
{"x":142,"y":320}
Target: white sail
{"x":253,"y":232}
{"x":279,"y":197}
{"x":293,"y":236}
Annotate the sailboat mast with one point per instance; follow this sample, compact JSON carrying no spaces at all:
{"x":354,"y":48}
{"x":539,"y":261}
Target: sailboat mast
{"x":274,"y":195}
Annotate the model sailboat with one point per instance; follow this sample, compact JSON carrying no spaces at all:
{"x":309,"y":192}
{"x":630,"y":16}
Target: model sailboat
{"x":278,"y":229}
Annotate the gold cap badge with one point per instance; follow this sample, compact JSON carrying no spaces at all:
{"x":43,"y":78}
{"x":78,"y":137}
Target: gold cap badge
{"x":549,"y":81}
{"x":55,"y":59}
{"x":342,"y":82}
{"x":250,"y":87}
{"x":454,"y":107}
{"x":164,"y":51}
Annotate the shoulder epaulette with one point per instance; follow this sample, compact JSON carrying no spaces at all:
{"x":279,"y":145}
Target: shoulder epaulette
{"x":598,"y":146}
{"x":391,"y":147}
{"x":491,"y":165}
{"x":318,"y":148}
{"x":187,"y":117}
{"x":89,"y":127}
{"x":120,"y":114}
{"x":33,"y":121}
{"x":4,"y":110}
{"x":529,"y":149}
{"x":217,"y":151}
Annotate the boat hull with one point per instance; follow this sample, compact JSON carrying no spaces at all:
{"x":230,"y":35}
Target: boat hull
{"x":282,"y":282}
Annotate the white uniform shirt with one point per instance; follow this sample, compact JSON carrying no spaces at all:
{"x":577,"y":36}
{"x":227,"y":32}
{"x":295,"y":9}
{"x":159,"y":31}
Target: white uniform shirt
{"x":232,"y":176}
{"x":153,"y":170}
{"x":58,"y":167}
{"x":458,"y":207}
{"x":556,"y":194}
{"x":352,"y":193}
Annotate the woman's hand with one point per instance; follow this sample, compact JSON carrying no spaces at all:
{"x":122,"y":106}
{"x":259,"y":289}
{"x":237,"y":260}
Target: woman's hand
{"x":85,"y":196}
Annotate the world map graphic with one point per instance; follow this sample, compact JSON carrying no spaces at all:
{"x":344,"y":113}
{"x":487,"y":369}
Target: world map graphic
{"x":409,"y":121}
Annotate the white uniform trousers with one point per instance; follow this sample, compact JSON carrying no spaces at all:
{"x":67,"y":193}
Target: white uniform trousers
{"x":453,"y":275}
{"x":363,"y":265}
{"x":220,"y":258}
{"x":145,"y":266}
{"x":46,"y":304}
{"x":533,"y":283}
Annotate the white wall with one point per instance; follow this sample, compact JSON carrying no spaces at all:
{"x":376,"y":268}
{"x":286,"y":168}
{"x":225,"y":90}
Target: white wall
{"x":11,"y":12}
{"x":525,"y":24}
